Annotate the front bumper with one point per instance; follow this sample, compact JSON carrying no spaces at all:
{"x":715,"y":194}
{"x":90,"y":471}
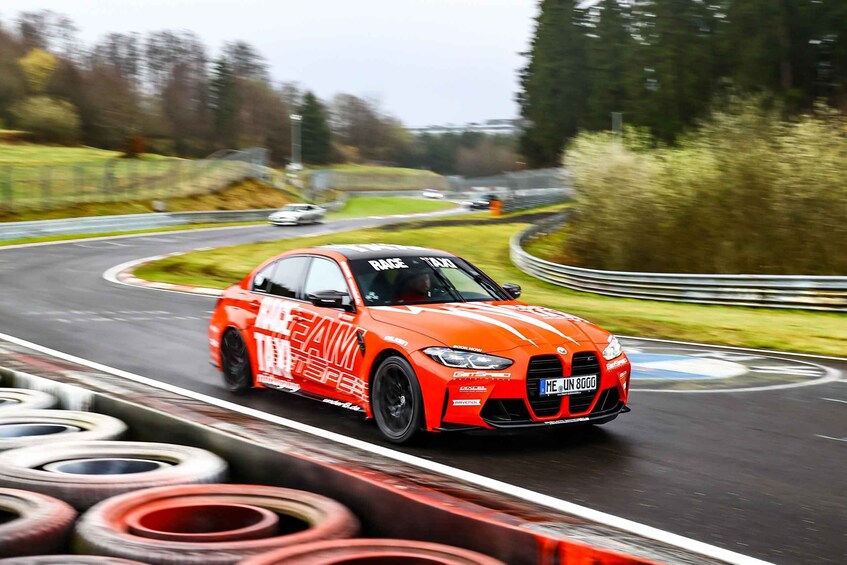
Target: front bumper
{"x":509,"y":398}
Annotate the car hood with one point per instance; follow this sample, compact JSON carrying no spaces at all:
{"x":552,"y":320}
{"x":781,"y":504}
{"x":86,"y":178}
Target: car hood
{"x":488,"y":326}
{"x":285,"y":214}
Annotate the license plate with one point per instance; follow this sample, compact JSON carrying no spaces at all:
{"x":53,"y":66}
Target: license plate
{"x":568,"y":385}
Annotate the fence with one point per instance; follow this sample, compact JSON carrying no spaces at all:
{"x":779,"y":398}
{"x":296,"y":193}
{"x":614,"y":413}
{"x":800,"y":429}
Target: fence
{"x":769,"y":291}
{"x":42,"y":187}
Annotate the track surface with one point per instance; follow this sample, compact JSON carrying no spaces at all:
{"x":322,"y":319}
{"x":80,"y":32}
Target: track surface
{"x":758,"y":472}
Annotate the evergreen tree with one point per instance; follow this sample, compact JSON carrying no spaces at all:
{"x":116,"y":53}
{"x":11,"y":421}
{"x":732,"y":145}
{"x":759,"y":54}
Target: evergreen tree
{"x":610,"y":57}
{"x":315,"y":135}
{"x":554,"y":83}
{"x":224,"y":104}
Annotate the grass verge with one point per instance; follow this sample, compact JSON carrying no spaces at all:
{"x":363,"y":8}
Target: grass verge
{"x":486,"y":244}
{"x":387,"y":205}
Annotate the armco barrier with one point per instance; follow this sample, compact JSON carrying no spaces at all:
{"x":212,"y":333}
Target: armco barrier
{"x":768,"y":291}
{"x":391,"y":499}
{"x":128,"y":222}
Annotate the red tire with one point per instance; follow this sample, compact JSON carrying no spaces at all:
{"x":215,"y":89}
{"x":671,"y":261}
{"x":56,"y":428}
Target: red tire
{"x":85,"y":472}
{"x":25,"y":399}
{"x":110,"y":527}
{"x":23,"y":428}
{"x":32,"y":523}
{"x":378,"y":550}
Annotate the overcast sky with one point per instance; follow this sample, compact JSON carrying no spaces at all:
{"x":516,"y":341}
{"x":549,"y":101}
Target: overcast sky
{"x":427,"y":61}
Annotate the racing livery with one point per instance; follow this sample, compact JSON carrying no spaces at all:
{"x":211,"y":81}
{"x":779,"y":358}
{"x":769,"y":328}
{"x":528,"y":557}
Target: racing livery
{"x":415,"y":338}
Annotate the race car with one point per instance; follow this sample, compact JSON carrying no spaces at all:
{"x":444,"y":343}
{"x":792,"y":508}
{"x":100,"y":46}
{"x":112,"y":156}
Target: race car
{"x":416,"y":339}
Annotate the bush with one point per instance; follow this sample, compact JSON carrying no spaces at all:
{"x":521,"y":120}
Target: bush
{"x":47,"y":119}
{"x":746,"y":193}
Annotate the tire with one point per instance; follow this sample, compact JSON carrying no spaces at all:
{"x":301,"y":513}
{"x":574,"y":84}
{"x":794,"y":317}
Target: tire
{"x":25,"y":428}
{"x":367,"y":550}
{"x":36,"y":523}
{"x":105,"y":529}
{"x":235,"y":362}
{"x":25,"y":399}
{"x":397,"y":400}
{"x":68,"y":560}
{"x":86,"y":472}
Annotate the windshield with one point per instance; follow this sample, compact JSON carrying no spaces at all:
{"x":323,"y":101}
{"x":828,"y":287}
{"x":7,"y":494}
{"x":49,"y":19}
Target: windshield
{"x":390,"y":281}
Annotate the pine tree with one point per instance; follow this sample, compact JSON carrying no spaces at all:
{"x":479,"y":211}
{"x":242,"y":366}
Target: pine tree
{"x":554,"y":83}
{"x":315,"y":133}
{"x":224,"y":104}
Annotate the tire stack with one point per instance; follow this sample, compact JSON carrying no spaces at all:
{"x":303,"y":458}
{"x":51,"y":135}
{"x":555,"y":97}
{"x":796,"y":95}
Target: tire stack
{"x":70,"y":484}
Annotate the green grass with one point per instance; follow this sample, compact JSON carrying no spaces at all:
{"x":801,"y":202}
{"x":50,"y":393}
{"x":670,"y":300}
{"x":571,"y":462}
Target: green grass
{"x":369,"y":177}
{"x":487,"y":245}
{"x":386,"y":206}
{"x":32,"y":154}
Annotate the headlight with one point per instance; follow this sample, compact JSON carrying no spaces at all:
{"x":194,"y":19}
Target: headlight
{"x":466,"y":359}
{"x":613,"y":349}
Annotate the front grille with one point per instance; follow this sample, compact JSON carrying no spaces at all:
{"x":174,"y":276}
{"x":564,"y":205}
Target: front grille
{"x":543,"y":367}
{"x":583,"y":363}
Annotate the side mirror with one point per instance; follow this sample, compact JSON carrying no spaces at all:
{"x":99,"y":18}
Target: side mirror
{"x":332,"y":299}
{"x":513,"y":290}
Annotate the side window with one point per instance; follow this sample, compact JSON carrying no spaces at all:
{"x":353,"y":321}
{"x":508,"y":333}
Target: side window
{"x":262,"y":280}
{"x":287,"y":276}
{"x":324,"y":274}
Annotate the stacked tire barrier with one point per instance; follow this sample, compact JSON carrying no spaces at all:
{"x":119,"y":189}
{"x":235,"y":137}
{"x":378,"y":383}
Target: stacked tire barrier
{"x":147,"y":502}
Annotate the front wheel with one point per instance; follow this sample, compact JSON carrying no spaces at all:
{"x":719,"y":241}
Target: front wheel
{"x":397,"y":400}
{"x":235,"y":362}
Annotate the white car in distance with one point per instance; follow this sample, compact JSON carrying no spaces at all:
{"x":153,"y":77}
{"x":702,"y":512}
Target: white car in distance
{"x":296,"y":214}
{"x":432,"y":193}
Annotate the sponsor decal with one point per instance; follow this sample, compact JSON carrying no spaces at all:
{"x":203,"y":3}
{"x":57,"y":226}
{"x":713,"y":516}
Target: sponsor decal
{"x":616,"y":363}
{"x":388,"y":264}
{"x":291,"y":341}
{"x":214,"y":342}
{"x":468,"y":402}
{"x":466,"y":348}
{"x":340,"y":404}
{"x":567,"y":421}
{"x":515,"y":313}
{"x":480,"y":375}
{"x":273,"y":382}
{"x":472,"y":388}
{"x":397,"y":340}
{"x":439,"y":262}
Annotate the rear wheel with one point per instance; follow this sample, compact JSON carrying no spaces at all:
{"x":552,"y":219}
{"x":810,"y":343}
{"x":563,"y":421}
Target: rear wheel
{"x":397,"y":400}
{"x":235,"y":362}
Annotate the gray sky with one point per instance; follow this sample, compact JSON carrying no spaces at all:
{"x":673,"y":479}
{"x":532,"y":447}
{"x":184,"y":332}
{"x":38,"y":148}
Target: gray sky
{"x":427,"y":61}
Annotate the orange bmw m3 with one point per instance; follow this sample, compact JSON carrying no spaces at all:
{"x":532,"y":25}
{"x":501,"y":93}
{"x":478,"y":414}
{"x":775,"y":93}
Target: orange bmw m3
{"x":415,"y":338}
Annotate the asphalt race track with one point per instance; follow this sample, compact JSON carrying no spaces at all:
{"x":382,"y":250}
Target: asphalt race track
{"x":757,"y":466}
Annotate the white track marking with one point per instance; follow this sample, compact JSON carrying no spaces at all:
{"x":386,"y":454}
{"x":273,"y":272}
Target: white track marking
{"x":733,"y":348}
{"x":842,"y":439}
{"x":835,"y":400}
{"x":473,"y":478}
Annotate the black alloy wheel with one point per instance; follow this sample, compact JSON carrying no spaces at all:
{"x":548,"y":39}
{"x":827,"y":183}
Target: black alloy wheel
{"x":235,"y":361}
{"x":397,"y":400}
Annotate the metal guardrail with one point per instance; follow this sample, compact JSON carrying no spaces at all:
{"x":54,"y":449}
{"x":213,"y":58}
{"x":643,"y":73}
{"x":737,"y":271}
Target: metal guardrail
{"x":105,"y":224}
{"x":802,"y":292}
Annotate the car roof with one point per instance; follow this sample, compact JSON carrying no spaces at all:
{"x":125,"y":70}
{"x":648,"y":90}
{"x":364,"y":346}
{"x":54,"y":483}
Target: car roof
{"x":382,"y":250}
